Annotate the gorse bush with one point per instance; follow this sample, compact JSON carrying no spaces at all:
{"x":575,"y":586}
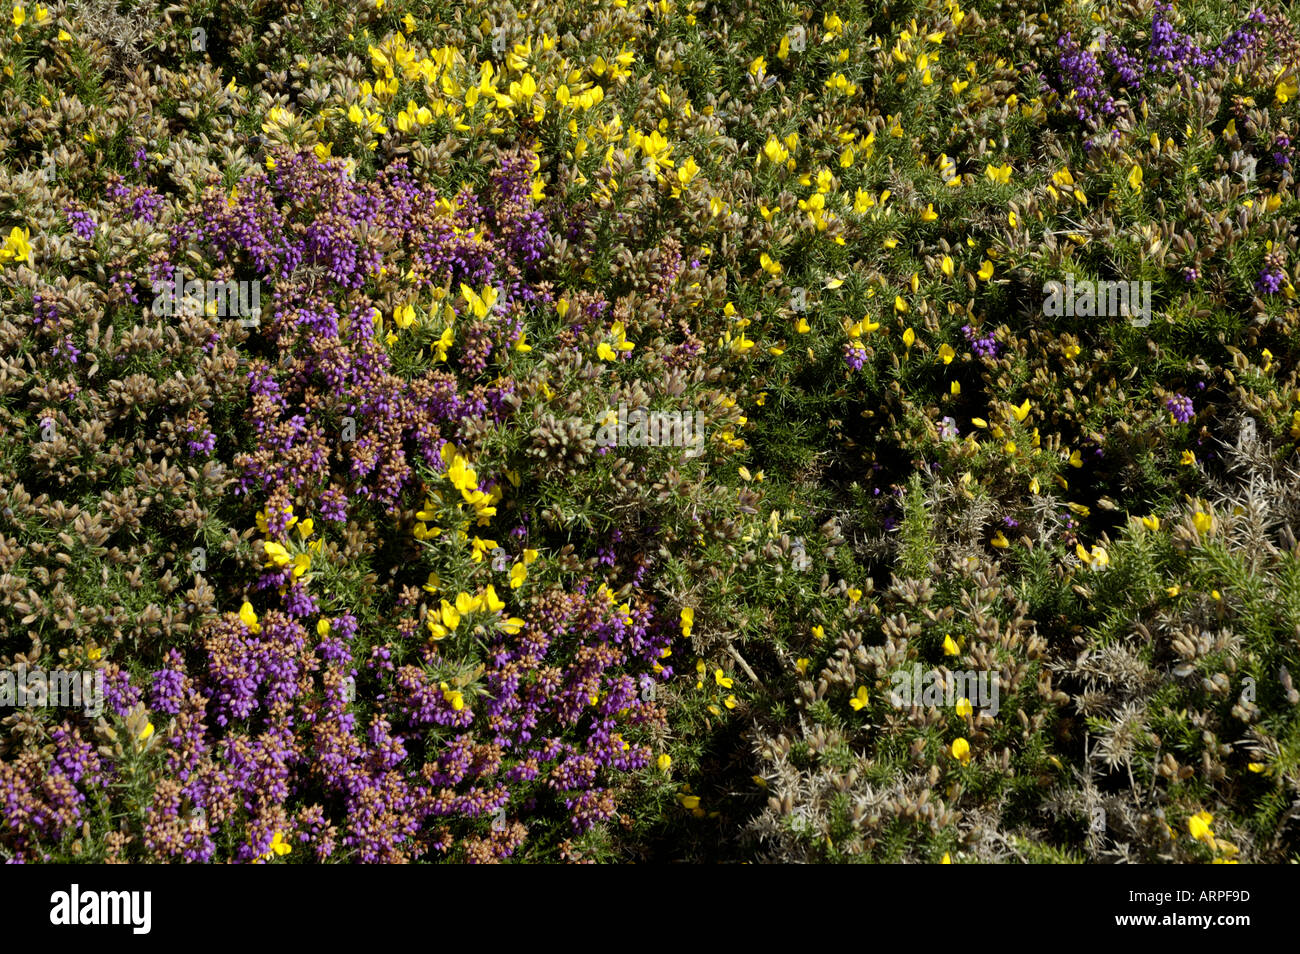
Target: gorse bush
{"x":965,"y":529}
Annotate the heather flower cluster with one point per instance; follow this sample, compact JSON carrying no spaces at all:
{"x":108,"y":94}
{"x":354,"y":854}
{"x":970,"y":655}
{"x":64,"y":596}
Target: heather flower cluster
{"x":983,"y":345}
{"x":1180,"y":408}
{"x":1095,"y":81}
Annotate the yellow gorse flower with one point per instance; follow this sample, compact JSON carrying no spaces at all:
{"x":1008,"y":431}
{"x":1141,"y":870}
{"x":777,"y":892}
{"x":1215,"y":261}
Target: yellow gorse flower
{"x":775,"y":151}
{"x":17,"y":246}
{"x":1097,"y":558}
{"x":443,"y":622}
{"x":279,"y":848}
{"x":480,"y":304}
{"x":249,"y":618}
{"x":609,"y":350}
{"x":1001,"y":175}
{"x":453,"y":696}
{"x":1282,"y":92}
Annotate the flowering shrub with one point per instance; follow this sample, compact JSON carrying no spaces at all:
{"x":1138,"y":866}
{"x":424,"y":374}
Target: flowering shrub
{"x":313,"y":322}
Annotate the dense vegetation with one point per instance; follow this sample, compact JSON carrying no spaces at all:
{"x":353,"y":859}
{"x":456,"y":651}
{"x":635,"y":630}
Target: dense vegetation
{"x":955,"y":558}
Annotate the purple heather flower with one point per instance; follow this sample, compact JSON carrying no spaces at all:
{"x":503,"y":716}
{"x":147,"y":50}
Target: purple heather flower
{"x":66,"y":348}
{"x":1091,"y":91}
{"x":1270,"y":280}
{"x":985,"y":346}
{"x":205,"y":444}
{"x":82,"y":224}
{"x":1180,"y":406}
